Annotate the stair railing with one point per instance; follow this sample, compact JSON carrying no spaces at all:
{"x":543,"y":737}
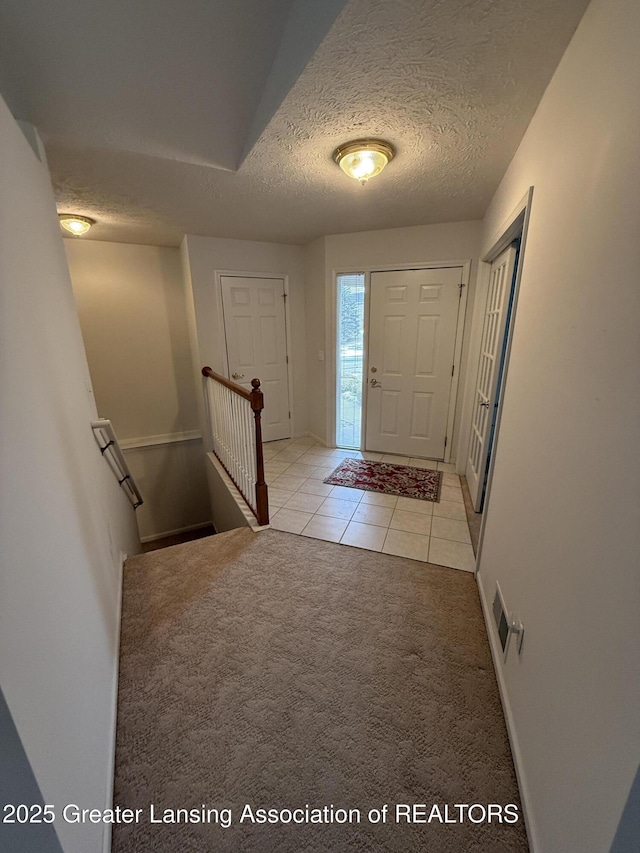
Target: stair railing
{"x":234,"y":416}
{"x":110,"y":449}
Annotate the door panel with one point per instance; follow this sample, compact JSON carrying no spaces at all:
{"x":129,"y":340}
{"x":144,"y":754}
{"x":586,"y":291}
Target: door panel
{"x":421,"y":415}
{"x":389,"y":415}
{"x":241,"y":334}
{"x":491,"y":349}
{"x":412,"y":333}
{"x":426,"y":346}
{"x":392,"y":346}
{"x":269,"y":340}
{"x":254,"y":320}
{"x":271,"y":418}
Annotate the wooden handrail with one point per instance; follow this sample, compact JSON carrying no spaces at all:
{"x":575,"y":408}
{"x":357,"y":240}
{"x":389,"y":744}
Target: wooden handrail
{"x":232,"y":386}
{"x":255,"y":398}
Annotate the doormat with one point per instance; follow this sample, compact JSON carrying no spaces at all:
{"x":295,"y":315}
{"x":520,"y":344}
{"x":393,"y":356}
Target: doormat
{"x":401,"y":480}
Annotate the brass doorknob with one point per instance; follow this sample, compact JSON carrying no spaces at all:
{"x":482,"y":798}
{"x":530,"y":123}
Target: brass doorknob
{"x":237,"y":375}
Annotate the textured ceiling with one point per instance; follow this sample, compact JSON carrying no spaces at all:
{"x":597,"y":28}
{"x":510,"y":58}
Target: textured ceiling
{"x":451,"y":83}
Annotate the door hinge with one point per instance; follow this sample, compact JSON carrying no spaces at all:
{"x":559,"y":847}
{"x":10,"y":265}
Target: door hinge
{"x":453,"y":367}
{"x":445,"y":440}
{"x":289,"y":415}
{"x":284,"y":296}
{"x":287,"y":357}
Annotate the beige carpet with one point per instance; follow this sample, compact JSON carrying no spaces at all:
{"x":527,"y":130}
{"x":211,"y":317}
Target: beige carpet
{"x":278,"y":671}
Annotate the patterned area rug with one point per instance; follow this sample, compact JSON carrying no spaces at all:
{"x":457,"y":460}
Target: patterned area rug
{"x":401,"y":480}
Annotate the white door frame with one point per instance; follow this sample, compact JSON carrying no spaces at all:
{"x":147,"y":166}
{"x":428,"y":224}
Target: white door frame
{"x":332,"y":338}
{"x":489,"y":373}
{"x":515,"y":226}
{"x":219,"y":274}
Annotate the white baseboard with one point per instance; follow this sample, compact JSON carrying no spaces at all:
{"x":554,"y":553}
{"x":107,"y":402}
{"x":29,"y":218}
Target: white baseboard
{"x":315,"y":438}
{"x":106,"y":835}
{"x":154,"y":536}
{"x":496,"y":654}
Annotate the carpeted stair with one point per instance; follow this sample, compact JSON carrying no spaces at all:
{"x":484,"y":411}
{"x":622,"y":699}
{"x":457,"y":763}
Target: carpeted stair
{"x":280,"y":671}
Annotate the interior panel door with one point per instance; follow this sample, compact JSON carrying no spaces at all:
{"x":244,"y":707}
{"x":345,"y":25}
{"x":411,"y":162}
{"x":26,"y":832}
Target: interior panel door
{"x":491,"y":353}
{"x":255,"y":330}
{"x":412,"y":334}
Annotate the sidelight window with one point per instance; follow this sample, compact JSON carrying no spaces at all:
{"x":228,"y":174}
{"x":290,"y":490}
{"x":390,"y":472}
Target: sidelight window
{"x":350,"y":360}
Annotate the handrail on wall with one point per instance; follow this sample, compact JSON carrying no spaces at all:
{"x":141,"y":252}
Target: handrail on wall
{"x":238,"y":446}
{"x":110,"y":449}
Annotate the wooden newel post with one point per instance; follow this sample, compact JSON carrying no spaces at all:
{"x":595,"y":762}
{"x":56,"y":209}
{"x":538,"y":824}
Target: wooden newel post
{"x":262,"y":499}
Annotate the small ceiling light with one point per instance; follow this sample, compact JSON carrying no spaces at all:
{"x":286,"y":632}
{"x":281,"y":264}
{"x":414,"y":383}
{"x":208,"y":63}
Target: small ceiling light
{"x":363,"y":158}
{"x":74,"y":224}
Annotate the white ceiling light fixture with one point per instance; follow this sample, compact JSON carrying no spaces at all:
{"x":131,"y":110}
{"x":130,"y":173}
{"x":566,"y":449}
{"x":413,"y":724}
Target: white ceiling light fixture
{"x":364,"y":158}
{"x":75,"y":224}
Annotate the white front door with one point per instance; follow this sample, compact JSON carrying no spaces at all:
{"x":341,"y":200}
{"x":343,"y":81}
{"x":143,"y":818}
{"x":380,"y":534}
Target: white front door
{"x":255,"y":330}
{"x":491,"y":353}
{"x":412,"y":335}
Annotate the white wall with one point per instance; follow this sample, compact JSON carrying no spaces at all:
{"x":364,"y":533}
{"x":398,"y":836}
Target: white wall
{"x":457,"y":241}
{"x":316,"y":314}
{"x":562,"y":523}
{"x":203,"y":257}
{"x":132,"y":312}
{"x":64,"y":522}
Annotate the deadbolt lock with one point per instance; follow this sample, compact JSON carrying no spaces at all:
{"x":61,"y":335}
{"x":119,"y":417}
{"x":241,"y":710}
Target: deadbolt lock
{"x":374,"y":369}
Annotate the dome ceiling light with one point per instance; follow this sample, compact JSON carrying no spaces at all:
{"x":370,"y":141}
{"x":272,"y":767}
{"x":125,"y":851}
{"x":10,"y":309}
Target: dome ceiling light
{"x":75,"y":224}
{"x":364,"y":158}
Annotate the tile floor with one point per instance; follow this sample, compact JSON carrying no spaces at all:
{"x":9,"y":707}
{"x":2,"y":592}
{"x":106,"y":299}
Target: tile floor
{"x":301,"y":503}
